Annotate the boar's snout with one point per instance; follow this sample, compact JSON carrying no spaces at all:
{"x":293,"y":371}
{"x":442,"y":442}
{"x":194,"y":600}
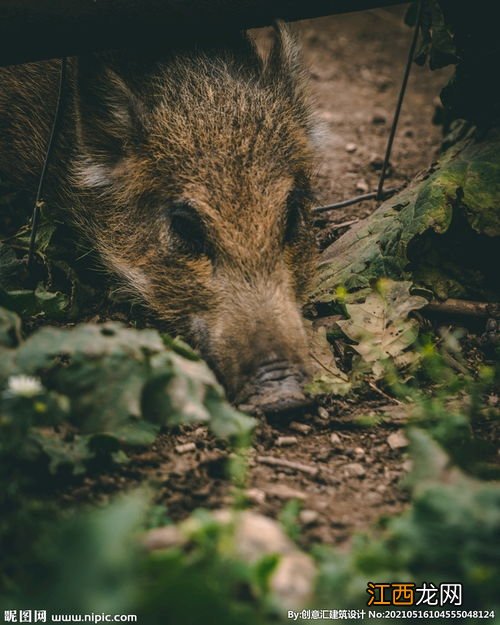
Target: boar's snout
{"x":256,"y":342}
{"x":276,"y":389}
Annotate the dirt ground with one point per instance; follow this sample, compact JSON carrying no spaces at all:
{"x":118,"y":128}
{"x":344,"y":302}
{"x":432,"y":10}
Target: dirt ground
{"x":346,"y":476}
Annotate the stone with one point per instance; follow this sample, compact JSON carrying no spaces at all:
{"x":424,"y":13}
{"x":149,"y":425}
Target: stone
{"x":335,"y":439}
{"x":379,"y":117}
{"x":308,"y":517}
{"x":362,"y":186}
{"x":286,"y":441}
{"x":185,"y":448}
{"x":355,"y":469}
{"x":397,"y":440}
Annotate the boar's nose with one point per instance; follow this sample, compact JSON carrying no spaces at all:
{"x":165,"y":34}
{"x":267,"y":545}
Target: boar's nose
{"x":276,"y":390}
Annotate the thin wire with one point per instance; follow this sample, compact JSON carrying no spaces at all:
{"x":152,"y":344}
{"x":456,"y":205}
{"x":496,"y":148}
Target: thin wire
{"x":38,"y":201}
{"x":409,"y":62}
{"x":355,"y":200}
{"x":380,"y":194}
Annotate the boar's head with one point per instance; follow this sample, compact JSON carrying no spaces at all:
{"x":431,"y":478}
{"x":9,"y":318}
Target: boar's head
{"x":196,"y":176}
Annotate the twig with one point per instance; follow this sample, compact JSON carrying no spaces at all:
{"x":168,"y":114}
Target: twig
{"x":355,"y":200}
{"x":378,"y":390}
{"x":327,"y":369}
{"x":50,"y":146}
{"x":344,"y":224}
{"x":464,"y":307}
{"x":288,"y":464}
{"x":454,"y":363}
{"x":392,"y":134}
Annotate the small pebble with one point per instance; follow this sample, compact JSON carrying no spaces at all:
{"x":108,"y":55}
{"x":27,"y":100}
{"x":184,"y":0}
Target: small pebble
{"x":359,"y":452}
{"x":397,"y":440}
{"x":303,"y":428}
{"x":248,"y":408}
{"x":185,"y":448}
{"x":255,"y":495}
{"x":351,"y":147}
{"x":354,"y":469}
{"x":308,"y":517}
{"x":282,"y":491}
{"x":379,"y":117}
{"x":373,"y":498}
{"x":286,"y":441}
{"x":362,"y":186}
{"x":323,"y":413}
{"x":323,"y":455}
{"x":335,"y":439}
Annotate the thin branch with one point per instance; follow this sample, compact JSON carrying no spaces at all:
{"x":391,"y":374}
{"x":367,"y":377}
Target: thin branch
{"x":465,"y":308}
{"x":288,"y":464}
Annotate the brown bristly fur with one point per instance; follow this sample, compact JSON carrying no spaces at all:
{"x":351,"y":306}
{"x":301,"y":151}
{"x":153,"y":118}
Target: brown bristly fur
{"x":217,"y":129}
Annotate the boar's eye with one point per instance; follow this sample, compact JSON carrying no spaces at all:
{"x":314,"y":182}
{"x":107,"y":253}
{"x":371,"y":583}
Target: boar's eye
{"x":188,"y":229}
{"x":294,"y":215}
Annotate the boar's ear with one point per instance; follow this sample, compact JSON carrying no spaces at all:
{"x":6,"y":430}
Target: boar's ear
{"x":109,"y":112}
{"x":284,"y":65}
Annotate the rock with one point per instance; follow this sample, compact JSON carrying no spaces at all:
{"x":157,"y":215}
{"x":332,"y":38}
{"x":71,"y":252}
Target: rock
{"x":359,"y":452}
{"x":282,"y":491}
{"x":256,"y":496}
{"x":255,"y":535}
{"x":286,"y":441}
{"x":362,"y":186}
{"x":323,"y":413}
{"x":303,"y":428}
{"x":335,"y":439}
{"x":323,"y":454}
{"x":185,"y":448}
{"x":397,"y":440}
{"x":351,"y":147}
{"x":379,"y":117}
{"x":200,"y":432}
{"x":292,"y":582}
{"x":376,"y":162}
{"x":308,"y":517}
{"x":373,"y":498}
{"x":354,"y":469}
{"x":330,"y":117}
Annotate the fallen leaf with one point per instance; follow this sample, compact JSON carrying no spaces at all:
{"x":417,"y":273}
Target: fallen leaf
{"x":380,"y":325}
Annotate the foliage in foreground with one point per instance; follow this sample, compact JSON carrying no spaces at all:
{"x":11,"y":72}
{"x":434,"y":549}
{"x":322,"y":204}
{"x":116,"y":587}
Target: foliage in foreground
{"x":75,"y":396}
{"x":92,"y":562}
{"x":450,"y":533}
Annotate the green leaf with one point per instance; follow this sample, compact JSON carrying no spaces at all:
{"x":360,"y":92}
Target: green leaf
{"x":135,"y":433}
{"x":380,"y":325}
{"x":102,"y":369}
{"x":457,"y":200}
{"x":74,"y":453}
{"x":10,"y":328}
